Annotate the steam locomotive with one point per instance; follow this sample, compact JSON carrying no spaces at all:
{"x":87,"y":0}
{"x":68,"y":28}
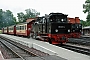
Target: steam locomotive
{"x":53,"y":28}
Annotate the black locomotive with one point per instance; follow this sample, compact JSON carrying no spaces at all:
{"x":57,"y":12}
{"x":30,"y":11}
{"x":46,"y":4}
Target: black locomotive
{"x":53,"y":28}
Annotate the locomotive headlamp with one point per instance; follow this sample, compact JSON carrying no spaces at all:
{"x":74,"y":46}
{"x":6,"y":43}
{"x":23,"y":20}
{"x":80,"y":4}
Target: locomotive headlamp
{"x":68,"y":30}
{"x":62,"y":20}
{"x":77,"y":26}
{"x":56,"y":30}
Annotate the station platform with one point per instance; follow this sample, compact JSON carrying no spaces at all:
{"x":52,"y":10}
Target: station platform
{"x":1,"y":57}
{"x":85,"y":36}
{"x":48,"y":48}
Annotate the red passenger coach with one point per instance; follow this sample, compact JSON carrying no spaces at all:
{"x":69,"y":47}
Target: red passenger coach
{"x":24,"y":29}
{"x":12,"y":30}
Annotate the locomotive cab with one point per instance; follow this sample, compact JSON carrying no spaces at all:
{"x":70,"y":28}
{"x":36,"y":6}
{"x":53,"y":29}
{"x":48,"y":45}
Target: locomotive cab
{"x":57,"y":18}
{"x":58,"y":23}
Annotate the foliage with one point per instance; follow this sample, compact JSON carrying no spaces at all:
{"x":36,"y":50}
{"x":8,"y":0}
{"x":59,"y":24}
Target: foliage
{"x":6,"y":18}
{"x":83,"y":23}
{"x":29,"y":13}
{"x":20,"y":16}
{"x":86,"y":8}
{"x":87,"y":23}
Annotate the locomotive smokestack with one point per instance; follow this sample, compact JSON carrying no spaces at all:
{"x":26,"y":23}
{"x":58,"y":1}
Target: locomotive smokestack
{"x":77,"y":20}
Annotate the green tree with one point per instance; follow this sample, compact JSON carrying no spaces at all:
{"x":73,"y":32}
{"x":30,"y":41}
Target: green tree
{"x":29,"y":13}
{"x":86,"y":8}
{"x":87,"y":23}
{"x":1,"y":12}
{"x":14,"y":20}
{"x":83,"y":23}
{"x":21,"y":17}
{"x":6,"y":18}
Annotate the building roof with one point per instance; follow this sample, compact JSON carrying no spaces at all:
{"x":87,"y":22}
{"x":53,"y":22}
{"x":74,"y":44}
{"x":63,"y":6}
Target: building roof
{"x":30,"y":19}
{"x":87,"y":27}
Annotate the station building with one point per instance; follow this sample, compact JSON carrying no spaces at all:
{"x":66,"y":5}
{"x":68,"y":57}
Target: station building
{"x":86,"y":30}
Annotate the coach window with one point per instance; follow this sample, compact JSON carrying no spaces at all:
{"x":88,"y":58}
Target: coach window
{"x":20,"y":27}
{"x":25,"y":27}
{"x":17,"y":28}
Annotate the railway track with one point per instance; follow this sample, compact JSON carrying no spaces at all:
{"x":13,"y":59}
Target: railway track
{"x":39,"y":55}
{"x":21,"y":51}
{"x":17,"y":51}
{"x":81,"y":41}
{"x":76,"y":49}
{"x":7,"y":54}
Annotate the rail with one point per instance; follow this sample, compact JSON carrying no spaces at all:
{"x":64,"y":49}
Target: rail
{"x":13,"y":51}
{"x":77,"y":49}
{"x":21,"y":47}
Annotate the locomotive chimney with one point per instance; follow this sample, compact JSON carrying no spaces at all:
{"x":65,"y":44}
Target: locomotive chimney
{"x":76,"y":17}
{"x":77,"y":20}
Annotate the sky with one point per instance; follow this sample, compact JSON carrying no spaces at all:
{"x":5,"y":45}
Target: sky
{"x":74,"y":8}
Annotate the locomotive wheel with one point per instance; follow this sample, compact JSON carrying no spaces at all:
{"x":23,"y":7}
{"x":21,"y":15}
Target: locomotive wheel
{"x":34,"y":35}
{"x":31,"y":35}
{"x":28,"y":36}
